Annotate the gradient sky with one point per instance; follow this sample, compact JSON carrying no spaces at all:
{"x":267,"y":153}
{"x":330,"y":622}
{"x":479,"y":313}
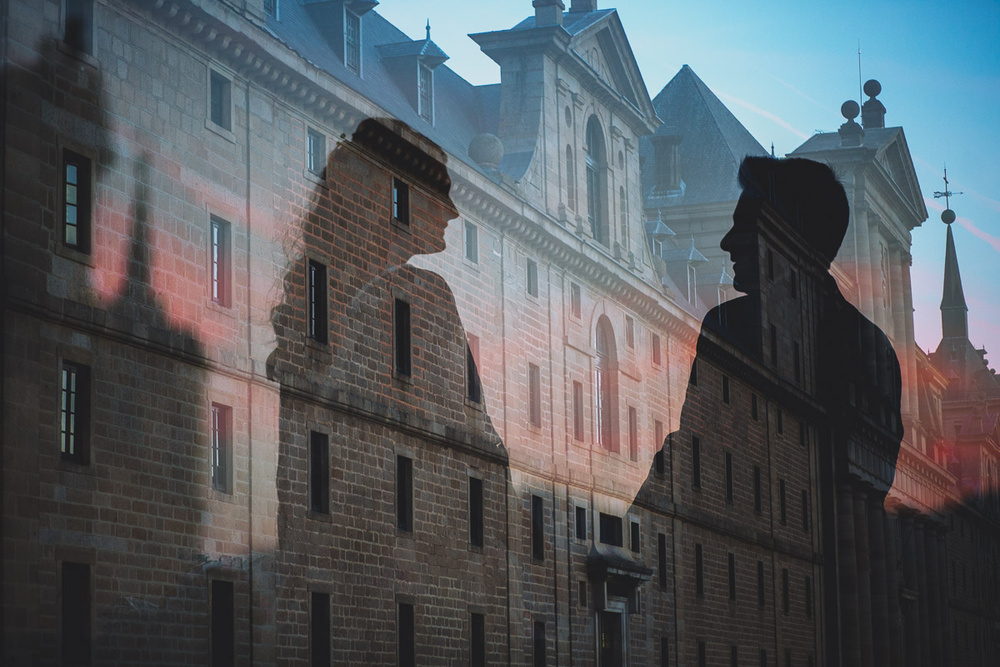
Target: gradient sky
{"x":784,"y":68}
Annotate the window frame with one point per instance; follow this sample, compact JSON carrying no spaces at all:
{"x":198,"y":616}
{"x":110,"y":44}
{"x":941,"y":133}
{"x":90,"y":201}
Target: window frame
{"x":537,"y":528}
{"x":352,"y":48}
{"x":400,"y":201}
{"x":534,"y":395}
{"x":404,"y":493}
{"x":220,"y":261}
{"x":473,"y":380}
{"x":222,"y":657}
{"x":316,"y":152}
{"x":221,"y":447}
{"x":477,"y":528}
{"x":83,"y":44}
{"x":83,"y":208}
{"x":402,"y":338}
{"x":317,"y":320}
{"x":220,"y":99}
{"x":531,"y":277}
{"x":320,"y":652}
{"x":471,"y":237}
{"x":76,"y":629}
{"x":319,"y":472}
{"x":75,"y":406}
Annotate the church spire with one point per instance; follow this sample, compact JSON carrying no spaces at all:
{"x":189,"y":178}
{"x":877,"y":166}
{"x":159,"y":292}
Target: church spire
{"x":954,"y":311}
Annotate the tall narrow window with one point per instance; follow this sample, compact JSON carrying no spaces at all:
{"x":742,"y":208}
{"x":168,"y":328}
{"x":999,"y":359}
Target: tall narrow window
{"x":634,"y":537}
{"x":661,"y":558}
{"x":623,"y":217}
{"x":796,"y":362}
{"x":534,"y":395}
{"x":471,"y":242}
{"x":425,"y":92}
{"x":78,"y":26}
{"x":788,"y":657}
{"x":473,"y":385}
{"x":774,"y":345}
{"x":578,"y":410}
{"x":400,"y":201}
{"x":315,"y":151}
{"x":596,"y":159}
{"x":757,"y":504}
{"x":729,"y":477}
{"x":702,"y":654}
{"x":532,"y":277}
{"x":732,"y":577}
{"x":223,"y":624}
{"x":401,"y":336}
{"x":404,"y":493}
{"x":633,"y":434}
{"x":664,"y":652}
{"x":629,"y":331}
{"x":222,"y":447}
{"x":220,"y":99}
{"x":695,"y":462}
{"x":606,"y":388}
{"x":271,"y":8}
{"x":575,"y":300}
{"x":537,"y":528}
{"x":477,"y":640}
{"x":655,"y":340}
{"x":753,"y":407}
{"x":74,"y":413}
{"x":734,"y":656}
{"x":699,"y":571}
{"x":581,"y":523}
{"x":221,"y":257}
{"x":317,"y":301}
{"x":763,"y":657}
{"x":76,"y":619}
{"x":784,"y":590}
{"x":693,"y":380}
{"x":793,"y":283}
{"x":319,"y":629}
{"x":805,"y":510}
{"x":725,"y":389}
{"x":475,"y":511}
{"x":570,"y":179}
{"x":808,"y":587}
{"x":538,"y":644}
{"x":802,"y":434}
{"x":770,"y":263}
{"x":611,"y":530}
{"x":780,"y":420}
{"x":760,"y":584}
{"x":659,"y":463}
{"x":76,"y":196}
{"x":782,"y":501}
{"x":352,"y":41}
{"x":319,"y":472}
{"x":406,"y":650}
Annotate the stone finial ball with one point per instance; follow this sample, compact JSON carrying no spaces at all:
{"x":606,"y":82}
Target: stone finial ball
{"x":487,"y":150}
{"x":872,"y":87}
{"x":850,"y":109}
{"x":947,"y":216}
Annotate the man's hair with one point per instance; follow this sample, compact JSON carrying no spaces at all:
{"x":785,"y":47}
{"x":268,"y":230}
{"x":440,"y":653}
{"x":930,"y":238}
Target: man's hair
{"x":806,"y":193}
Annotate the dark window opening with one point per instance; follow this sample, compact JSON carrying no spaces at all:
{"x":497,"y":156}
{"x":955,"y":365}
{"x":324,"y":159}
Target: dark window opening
{"x":780,"y":422}
{"x":634,"y":543}
{"x":784,"y":591}
{"x":582,"y":595}
{"x":477,"y":640}
{"x":734,"y":656}
{"x":425,"y":92}
{"x":729,"y":477}
{"x":732,"y":577}
{"x":76,"y":617}
{"x":74,"y":413}
{"x":475,"y":511}
{"x":664,"y":652}
{"x":633,"y":434}
{"x":577,"y":410}
{"x":532,"y":277}
{"x":756,"y":490}
{"x":537,"y":528}
{"x":805,"y":510}
{"x":400,"y":201}
{"x":319,"y":472}
{"x":611,"y":530}
{"x":401,"y":337}
{"x":222,"y":447}
{"x":702,"y":654}
{"x":774,"y":345}
{"x":77,"y":200}
{"x":699,"y":571}
{"x":693,"y":380}
{"x":796,"y":362}
{"x":79,"y":25}
{"x":538,"y":645}
{"x":220,"y":100}
{"x":770,"y":265}
{"x":581,"y":523}
{"x":404,"y":493}
{"x":473,"y":383}
{"x":318,"y":328}
{"x":319,"y":630}
{"x":754,"y":414}
{"x":315,"y":152}
{"x":221,"y":261}
{"x":793,"y":283}
{"x":761,"y":601}
{"x":406,"y":636}
{"x":661,"y":557}
{"x":782,"y":502}
{"x":725,"y":390}
{"x":696,"y":462}
{"x":802,"y":434}
{"x":223,"y":624}
{"x":534,"y":395}
{"x":763,"y":658}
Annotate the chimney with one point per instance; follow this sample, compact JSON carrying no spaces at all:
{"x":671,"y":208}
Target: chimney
{"x":583,"y":6}
{"x":851,"y":134}
{"x":872,"y":111}
{"x":548,"y":12}
{"x":667,"y":161}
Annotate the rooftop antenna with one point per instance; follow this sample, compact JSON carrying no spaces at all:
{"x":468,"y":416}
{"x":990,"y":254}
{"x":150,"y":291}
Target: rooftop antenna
{"x":947,"y":216}
{"x":772,"y":149}
{"x":428,"y":29}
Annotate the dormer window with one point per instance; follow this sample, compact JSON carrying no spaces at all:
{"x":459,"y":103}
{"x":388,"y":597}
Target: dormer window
{"x":352,"y":41}
{"x":425,"y":92}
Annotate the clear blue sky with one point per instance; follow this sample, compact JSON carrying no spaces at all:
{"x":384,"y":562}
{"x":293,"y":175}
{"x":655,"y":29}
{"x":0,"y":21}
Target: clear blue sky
{"x":784,"y":68}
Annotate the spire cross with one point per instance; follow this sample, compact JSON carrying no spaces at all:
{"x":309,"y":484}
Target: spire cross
{"x":947,"y":194}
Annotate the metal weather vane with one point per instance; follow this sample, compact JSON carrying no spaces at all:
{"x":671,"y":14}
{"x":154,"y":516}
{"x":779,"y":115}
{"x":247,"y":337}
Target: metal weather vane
{"x":947,"y":216}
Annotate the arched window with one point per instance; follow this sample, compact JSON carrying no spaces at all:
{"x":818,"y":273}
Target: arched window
{"x":606,"y":386}
{"x":570,"y":179}
{"x":596,"y":166}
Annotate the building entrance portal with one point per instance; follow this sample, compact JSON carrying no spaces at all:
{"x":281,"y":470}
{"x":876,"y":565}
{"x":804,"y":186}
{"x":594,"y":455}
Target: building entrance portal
{"x":611,"y":633}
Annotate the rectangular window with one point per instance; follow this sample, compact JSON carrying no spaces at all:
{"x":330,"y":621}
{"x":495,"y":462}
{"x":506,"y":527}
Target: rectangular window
{"x":611,"y":530}
{"x":702,"y":654}
{"x":534,"y":395}
{"x":222,"y":448}
{"x":784,"y":590}
{"x":696,"y":462}
{"x":664,"y":652}
{"x":734,"y":656}
{"x":661,"y":558}
{"x":578,"y":410}
{"x":537,"y":528}
{"x":319,"y":629}
{"x":782,"y":501}
{"x":352,"y":41}
{"x":220,"y":99}
{"x":76,"y":618}
{"x":317,"y":301}
{"x":319,"y":472}
{"x":754,"y":414}
{"x":575,"y":300}
{"x":473,"y":384}
{"x":538,"y":645}
{"x":805,"y":510}
{"x":401,"y":336}
{"x":425,"y":92}
{"x":477,"y":640}
{"x":74,"y":413}
{"x":788,"y":657}
{"x":223,"y":624}
{"x":78,"y":25}
{"x":760,"y":584}
{"x":629,"y":331}
{"x":471,"y":242}
{"x":77,"y":200}
{"x":659,"y":463}
{"x":802,"y":433}
{"x":406,"y":651}
{"x":475,"y":511}
{"x":729,"y":477}
{"x":793,"y":283}
{"x":633,"y":434}
{"x":271,"y":8}
{"x":763,"y":658}
{"x":404,"y":493}
{"x":796,"y":362}
{"x":582,"y":595}
{"x":532,"y":277}
{"x":634,"y":534}
{"x":400,"y":201}
{"x":693,"y":379}
{"x":780,"y":422}
{"x":774,"y":345}
{"x":315,"y":151}
{"x":725,"y":389}
{"x":808,"y":587}
{"x":732,"y":577}
{"x":770,"y":264}
{"x":699,"y":572}
{"x":656,"y":349}
{"x":757,"y":503}
{"x":221,"y":258}
{"x":581,"y":523}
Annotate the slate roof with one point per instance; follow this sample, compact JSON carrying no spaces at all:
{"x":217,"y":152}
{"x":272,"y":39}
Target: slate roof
{"x":573,"y":22}
{"x":874,"y":138}
{"x":713,"y":143}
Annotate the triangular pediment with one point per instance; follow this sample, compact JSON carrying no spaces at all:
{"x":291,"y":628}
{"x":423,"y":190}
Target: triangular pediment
{"x":894,"y":156}
{"x":604,"y":47}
